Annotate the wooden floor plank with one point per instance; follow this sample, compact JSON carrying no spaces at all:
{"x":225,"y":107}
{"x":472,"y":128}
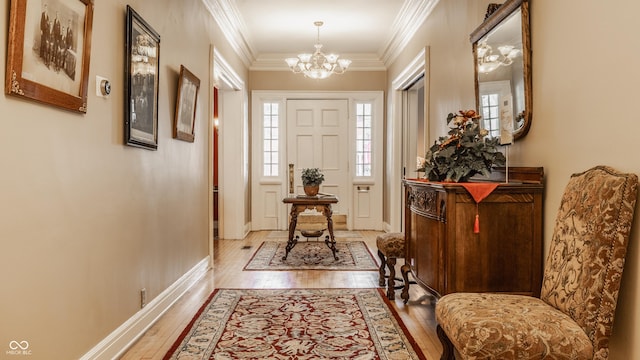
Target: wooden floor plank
{"x":230,"y":256}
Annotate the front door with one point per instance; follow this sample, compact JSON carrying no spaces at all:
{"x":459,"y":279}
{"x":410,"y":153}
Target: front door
{"x":317,"y":136}
{"x":343,"y":137}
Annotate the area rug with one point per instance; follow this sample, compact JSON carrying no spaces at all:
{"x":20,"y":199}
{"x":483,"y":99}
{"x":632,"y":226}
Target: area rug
{"x":295,"y":324}
{"x":336,"y":233}
{"x":312,"y":255}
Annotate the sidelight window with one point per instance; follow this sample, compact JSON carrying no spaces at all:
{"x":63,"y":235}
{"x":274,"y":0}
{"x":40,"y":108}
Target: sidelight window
{"x":364,"y":149}
{"x":270,"y":139}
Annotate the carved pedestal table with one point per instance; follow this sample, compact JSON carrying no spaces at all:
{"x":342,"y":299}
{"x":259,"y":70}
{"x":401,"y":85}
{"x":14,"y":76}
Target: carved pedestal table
{"x":322,"y":204}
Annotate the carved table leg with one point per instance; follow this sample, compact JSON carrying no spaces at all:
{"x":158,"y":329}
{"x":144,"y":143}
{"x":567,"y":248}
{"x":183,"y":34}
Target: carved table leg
{"x":330,"y":240}
{"x":292,"y":241}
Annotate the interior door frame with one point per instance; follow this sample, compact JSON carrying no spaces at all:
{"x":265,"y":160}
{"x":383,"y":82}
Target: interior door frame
{"x":418,"y":67}
{"x":375,"y":97}
{"x":225,"y":79}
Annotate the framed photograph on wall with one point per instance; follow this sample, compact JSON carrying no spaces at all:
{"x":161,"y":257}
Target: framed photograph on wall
{"x":142,"y":65}
{"x":185,"y":115}
{"x":48,"y":52}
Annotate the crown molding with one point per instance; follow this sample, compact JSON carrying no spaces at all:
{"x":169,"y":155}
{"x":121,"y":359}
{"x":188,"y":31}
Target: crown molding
{"x":409,"y":19}
{"x":225,"y":13}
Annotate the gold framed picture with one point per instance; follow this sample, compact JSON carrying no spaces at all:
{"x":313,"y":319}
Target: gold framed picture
{"x":48,"y":51}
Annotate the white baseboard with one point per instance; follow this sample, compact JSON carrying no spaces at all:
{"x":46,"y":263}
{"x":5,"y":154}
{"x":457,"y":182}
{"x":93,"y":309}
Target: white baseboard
{"x":247,"y":229}
{"x":386,"y":227}
{"x":114,"y":345}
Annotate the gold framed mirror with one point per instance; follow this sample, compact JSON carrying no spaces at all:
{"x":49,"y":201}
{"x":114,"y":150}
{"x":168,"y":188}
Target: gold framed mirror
{"x":502,"y":55}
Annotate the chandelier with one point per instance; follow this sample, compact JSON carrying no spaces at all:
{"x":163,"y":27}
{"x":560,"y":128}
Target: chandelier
{"x":318,"y":65}
{"x":488,"y":61}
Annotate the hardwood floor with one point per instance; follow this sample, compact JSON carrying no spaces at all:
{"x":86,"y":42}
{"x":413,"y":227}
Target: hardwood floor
{"x":232,"y":255}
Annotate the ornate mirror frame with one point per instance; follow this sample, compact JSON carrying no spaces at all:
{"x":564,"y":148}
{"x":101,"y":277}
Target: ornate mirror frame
{"x":491,"y":25}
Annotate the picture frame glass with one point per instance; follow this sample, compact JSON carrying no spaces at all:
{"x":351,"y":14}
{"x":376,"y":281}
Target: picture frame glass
{"x":184,"y":119}
{"x":143,"y":60}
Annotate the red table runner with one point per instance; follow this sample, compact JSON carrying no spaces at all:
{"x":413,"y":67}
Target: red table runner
{"x":479,"y":191}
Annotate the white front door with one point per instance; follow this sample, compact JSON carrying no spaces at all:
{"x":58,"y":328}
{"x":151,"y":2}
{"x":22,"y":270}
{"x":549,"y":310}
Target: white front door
{"x":317,"y":136}
{"x":338,"y":136}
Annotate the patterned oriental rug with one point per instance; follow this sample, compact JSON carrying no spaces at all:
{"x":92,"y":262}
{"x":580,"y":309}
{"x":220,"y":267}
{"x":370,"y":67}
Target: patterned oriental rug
{"x":312,"y":255}
{"x":337,"y":233}
{"x":295,"y":324}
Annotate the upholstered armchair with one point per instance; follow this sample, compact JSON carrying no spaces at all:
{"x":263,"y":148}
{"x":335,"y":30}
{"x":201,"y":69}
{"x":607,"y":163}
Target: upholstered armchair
{"x":573,"y":317}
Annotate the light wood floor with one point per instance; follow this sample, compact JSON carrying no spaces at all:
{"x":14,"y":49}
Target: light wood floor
{"x":232,"y":255}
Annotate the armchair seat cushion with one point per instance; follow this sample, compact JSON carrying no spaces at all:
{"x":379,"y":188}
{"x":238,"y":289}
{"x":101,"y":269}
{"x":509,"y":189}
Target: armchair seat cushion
{"x":503,"y":326}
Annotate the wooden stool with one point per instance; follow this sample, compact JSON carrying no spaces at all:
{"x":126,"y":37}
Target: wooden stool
{"x":391,"y":246}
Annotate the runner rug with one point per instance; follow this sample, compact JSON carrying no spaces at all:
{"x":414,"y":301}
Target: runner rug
{"x":295,"y":324}
{"x":312,"y":255}
{"x":336,"y":233}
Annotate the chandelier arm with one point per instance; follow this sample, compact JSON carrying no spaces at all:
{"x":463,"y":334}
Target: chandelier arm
{"x":318,"y":65}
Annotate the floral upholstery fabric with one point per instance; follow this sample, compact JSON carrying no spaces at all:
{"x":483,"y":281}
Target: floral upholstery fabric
{"x":580,"y":284}
{"x":501,"y":326}
{"x":586,"y":257}
{"x":391,"y":244}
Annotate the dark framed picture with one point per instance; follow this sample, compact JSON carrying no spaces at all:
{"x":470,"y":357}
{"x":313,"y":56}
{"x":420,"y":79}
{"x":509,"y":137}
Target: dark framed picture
{"x":48,"y":51}
{"x":185,"y":116}
{"x":142,"y":66}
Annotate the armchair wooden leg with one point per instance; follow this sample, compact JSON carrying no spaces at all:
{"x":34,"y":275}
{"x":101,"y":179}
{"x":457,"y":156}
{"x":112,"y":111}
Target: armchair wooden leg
{"x":447,"y":346}
{"x":383,"y":264}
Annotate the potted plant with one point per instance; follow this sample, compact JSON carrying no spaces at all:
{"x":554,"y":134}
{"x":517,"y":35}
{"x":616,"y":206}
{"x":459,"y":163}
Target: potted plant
{"x":311,"y":180}
{"x":464,"y":153}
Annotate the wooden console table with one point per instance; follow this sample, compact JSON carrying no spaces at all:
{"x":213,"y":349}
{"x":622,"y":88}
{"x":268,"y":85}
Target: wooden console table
{"x":300,"y":203}
{"x":445,"y":255}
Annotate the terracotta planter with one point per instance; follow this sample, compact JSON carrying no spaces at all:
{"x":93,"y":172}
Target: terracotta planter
{"x":311,"y":190}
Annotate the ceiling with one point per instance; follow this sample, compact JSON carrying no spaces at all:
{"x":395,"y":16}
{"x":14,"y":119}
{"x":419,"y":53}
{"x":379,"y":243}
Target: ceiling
{"x":369,"y":32}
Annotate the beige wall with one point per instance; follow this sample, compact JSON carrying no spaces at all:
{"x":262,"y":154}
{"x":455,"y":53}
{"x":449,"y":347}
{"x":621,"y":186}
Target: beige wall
{"x":584,"y":89}
{"x":585,"y":76}
{"x":86,"y":222}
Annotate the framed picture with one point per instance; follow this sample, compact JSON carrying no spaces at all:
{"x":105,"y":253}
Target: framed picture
{"x":185,"y":116}
{"x":142,"y":66}
{"x":48,"y":51}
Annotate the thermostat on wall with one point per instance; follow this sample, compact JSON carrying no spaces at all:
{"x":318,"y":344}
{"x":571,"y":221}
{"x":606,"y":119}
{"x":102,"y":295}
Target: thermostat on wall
{"x":103,"y":86}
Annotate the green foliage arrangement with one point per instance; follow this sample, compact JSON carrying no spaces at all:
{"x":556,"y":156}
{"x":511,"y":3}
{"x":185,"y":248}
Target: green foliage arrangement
{"x":312,"y":176}
{"x":464,"y":153}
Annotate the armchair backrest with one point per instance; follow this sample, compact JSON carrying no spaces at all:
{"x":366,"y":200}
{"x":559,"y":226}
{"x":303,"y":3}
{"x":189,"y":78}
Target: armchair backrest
{"x":587,"y":251}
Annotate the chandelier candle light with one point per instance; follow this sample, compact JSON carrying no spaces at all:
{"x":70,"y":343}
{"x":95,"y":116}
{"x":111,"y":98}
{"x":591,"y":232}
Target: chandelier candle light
{"x":318,"y":65}
{"x":488,"y":61}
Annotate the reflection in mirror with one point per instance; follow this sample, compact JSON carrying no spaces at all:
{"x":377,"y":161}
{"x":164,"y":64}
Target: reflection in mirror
{"x":414,"y":125}
{"x":503,"y":77}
